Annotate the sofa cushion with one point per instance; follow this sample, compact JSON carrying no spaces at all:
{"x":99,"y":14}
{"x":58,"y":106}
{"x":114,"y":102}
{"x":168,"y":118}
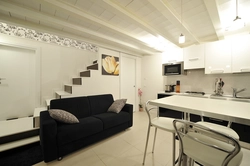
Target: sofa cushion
{"x":86,"y":127}
{"x":63,"y":116}
{"x":117,"y":105}
{"x":78,"y":106}
{"x":100,"y":103}
{"x":111,"y":119}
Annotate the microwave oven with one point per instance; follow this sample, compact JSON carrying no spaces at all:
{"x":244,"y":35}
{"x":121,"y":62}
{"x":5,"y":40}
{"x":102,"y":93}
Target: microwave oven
{"x":173,"y":69}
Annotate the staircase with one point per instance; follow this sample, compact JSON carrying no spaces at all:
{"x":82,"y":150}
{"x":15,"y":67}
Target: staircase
{"x":70,"y":90}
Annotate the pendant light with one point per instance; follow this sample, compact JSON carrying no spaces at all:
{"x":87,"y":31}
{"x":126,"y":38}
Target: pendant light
{"x":181,"y":37}
{"x":237,"y":22}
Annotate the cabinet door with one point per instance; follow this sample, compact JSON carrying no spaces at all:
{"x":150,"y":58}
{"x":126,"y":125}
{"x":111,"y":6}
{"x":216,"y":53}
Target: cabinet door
{"x":194,"y":57}
{"x":173,"y":55}
{"x":241,"y":55}
{"x":218,"y":57}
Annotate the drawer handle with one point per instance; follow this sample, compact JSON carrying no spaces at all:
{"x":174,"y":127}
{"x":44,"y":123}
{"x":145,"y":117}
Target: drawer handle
{"x":218,"y":71}
{"x":193,"y":59}
{"x":245,"y":69}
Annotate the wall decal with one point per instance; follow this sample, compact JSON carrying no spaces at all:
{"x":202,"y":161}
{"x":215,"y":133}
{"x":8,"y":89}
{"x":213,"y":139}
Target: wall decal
{"x":110,"y":65}
{"x":45,"y":37}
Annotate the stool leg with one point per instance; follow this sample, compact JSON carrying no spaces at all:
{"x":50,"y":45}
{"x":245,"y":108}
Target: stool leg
{"x":146,"y":146}
{"x":173,"y":150}
{"x":154,"y":140}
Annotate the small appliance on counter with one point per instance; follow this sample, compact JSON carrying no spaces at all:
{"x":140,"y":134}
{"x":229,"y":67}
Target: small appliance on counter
{"x":169,"y":88}
{"x":178,"y":87}
{"x":219,"y":87}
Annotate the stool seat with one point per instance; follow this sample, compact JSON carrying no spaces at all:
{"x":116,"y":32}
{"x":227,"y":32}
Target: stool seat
{"x":220,"y":128}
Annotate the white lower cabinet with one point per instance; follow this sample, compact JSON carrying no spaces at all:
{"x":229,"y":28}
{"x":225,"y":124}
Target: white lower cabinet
{"x":218,"y":57}
{"x":241,"y":54}
{"x":194,"y":57}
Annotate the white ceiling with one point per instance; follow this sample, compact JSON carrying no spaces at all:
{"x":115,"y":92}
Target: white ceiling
{"x":141,"y":26}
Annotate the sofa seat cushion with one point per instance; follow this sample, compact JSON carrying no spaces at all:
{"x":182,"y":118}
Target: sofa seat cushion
{"x":71,"y":132}
{"x":111,"y":119}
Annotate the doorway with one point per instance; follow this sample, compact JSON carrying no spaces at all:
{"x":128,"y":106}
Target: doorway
{"x":20,"y":78}
{"x":128,"y":79}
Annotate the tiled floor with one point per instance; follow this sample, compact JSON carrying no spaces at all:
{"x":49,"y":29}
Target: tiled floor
{"x":126,"y":149}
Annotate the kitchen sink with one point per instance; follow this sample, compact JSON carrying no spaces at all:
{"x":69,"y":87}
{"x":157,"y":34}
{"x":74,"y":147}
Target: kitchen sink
{"x":228,"y":97}
{"x":239,"y":99}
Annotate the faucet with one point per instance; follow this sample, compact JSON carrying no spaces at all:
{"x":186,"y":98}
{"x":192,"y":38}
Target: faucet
{"x":235,"y":92}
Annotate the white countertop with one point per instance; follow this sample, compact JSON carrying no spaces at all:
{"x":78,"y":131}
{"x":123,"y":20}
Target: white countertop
{"x":207,"y":95}
{"x":233,"y":111}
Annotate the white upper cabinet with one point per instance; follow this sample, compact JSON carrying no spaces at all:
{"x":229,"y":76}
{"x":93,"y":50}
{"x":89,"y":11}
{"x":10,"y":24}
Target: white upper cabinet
{"x":218,"y":57}
{"x":172,"y":55}
{"x":241,"y":54}
{"x":194,"y":57}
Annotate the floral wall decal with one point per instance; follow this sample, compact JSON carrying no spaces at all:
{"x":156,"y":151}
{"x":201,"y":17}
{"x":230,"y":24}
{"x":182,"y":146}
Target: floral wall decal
{"x":45,"y":37}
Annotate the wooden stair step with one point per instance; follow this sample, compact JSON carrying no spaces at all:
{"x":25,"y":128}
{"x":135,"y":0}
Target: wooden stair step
{"x":93,"y":67}
{"x":68,"y":88}
{"x":85,"y":74}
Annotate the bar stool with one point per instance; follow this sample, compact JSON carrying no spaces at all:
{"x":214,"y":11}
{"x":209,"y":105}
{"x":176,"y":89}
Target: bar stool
{"x":223,"y":129}
{"x":163,"y":123}
{"x":196,"y":143}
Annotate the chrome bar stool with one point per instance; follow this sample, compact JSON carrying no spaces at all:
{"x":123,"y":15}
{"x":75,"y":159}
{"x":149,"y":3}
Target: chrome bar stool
{"x":163,"y":123}
{"x":207,"y":146}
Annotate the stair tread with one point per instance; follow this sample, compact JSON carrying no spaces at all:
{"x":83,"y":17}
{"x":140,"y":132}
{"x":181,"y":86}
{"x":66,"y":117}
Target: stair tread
{"x":62,"y":93}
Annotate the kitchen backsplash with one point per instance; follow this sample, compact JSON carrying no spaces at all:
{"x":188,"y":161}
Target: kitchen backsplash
{"x":196,"y":80}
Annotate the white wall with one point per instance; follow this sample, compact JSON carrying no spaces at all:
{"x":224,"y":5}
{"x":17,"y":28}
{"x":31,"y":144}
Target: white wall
{"x":60,"y":64}
{"x":152,"y":79}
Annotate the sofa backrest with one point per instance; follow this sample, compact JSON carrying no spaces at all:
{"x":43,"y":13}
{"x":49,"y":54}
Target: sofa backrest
{"x":100,"y":103}
{"x":78,"y":106}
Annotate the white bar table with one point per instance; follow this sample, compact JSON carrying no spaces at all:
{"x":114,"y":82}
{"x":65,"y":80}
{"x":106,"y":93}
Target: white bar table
{"x":233,"y":111}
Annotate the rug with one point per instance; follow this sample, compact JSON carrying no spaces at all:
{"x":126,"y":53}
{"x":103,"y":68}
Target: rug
{"x":22,"y":156}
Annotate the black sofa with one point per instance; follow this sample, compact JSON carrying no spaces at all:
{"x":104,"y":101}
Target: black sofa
{"x":95,"y":123}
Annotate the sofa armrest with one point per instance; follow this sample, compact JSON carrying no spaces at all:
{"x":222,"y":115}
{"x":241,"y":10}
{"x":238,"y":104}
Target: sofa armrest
{"x":129,"y":108}
{"x":48,"y":132}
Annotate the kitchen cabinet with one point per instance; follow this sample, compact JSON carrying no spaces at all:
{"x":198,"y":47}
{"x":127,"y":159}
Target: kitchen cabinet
{"x":218,"y":57}
{"x":243,"y":131}
{"x":241,"y":54}
{"x":194,"y":57}
{"x":172,"y":55}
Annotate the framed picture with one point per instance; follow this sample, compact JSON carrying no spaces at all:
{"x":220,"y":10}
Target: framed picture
{"x":110,"y":65}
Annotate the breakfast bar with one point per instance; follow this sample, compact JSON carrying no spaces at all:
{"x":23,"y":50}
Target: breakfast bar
{"x":234,"y":111}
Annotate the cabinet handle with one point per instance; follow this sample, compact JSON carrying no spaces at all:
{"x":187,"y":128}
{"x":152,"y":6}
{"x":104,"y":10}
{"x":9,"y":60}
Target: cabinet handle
{"x":193,"y":59}
{"x":217,"y":71}
{"x":245,"y":69}
{"x":172,"y":61}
